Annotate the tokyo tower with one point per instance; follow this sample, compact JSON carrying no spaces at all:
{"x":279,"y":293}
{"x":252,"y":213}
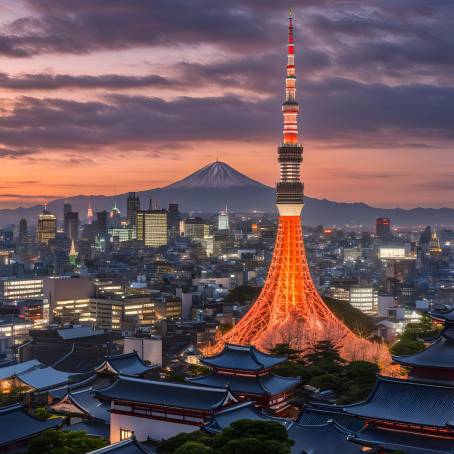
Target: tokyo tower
{"x":289,"y":308}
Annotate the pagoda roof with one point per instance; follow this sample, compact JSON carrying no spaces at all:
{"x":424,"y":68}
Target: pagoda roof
{"x":402,"y":441}
{"x":443,"y":316}
{"x":126,"y":364}
{"x":242,"y":410}
{"x":439,"y":355}
{"x":92,"y":428}
{"x":269,"y":384}
{"x":312,"y":415}
{"x":46,"y":378}
{"x":168,"y":394}
{"x":242,"y":357}
{"x":87,"y":402}
{"x":328,"y":438}
{"x":407,"y":401}
{"x":11,"y":371}
{"x":18,"y":425}
{"x":130,"y":446}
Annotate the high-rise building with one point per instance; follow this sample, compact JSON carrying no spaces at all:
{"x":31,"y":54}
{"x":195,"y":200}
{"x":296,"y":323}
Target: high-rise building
{"x":151,"y":227}
{"x":383,"y":228}
{"x":101,"y":222}
{"x":71,"y":225}
{"x":132,"y":207}
{"x":89,"y":213}
{"x":289,"y":308}
{"x":23,"y":231}
{"x":223,"y":220}
{"x":67,"y":208}
{"x":174,"y":220}
{"x":196,"y":228}
{"x":47,"y":226}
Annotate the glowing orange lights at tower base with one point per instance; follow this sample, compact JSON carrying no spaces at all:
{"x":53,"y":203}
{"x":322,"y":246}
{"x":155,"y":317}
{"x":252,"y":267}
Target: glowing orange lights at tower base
{"x":290,"y":310}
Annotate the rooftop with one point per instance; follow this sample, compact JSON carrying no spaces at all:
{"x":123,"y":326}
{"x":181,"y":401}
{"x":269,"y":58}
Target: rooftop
{"x":169,"y":394}
{"x":408,"y":401}
{"x":268,"y":384}
{"x":18,"y":425}
{"x":242,"y":358}
{"x":125,"y":364}
{"x":130,"y":446}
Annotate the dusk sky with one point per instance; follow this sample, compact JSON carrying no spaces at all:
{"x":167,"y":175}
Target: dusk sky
{"x":98,"y":97}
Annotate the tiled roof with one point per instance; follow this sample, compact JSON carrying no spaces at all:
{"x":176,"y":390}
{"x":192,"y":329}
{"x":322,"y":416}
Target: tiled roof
{"x":165,"y":393}
{"x":312,"y":415}
{"x":243,"y":410}
{"x":408,"y":401}
{"x":16,"y":424}
{"x":11,"y":371}
{"x":328,"y":438}
{"x":410,"y":443}
{"x":267,"y":385}
{"x":131,"y":446}
{"x":127,"y":364}
{"x":242,"y":357}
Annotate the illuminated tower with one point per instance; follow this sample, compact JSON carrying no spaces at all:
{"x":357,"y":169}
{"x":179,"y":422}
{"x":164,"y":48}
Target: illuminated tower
{"x":289,"y":308}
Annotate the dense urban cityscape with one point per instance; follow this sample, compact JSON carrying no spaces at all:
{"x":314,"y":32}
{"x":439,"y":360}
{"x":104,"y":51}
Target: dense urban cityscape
{"x":151,"y":328}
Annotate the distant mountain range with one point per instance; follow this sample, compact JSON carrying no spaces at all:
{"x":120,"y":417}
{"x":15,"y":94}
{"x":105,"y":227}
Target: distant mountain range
{"x":217,"y":185}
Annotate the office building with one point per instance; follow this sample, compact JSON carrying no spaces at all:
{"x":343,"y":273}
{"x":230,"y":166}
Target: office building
{"x":122,"y":234}
{"x":47,"y":227}
{"x":101,"y":222}
{"x":151,"y":227}
{"x":174,"y":220}
{"x":71,"y":225}
{"x":132,"y":207}
{"x":23,"y":231}
{"x":196,"y":228}
{"x":383,"y":228}
{"x":13,"y":289}
{"x":223,"y":220}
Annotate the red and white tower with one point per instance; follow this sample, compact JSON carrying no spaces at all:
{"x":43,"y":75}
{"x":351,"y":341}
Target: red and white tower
{"x":289,"y":308}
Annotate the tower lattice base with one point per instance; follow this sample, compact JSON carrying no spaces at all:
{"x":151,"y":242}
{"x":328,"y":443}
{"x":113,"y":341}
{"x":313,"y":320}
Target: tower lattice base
{"x":290,"y":310}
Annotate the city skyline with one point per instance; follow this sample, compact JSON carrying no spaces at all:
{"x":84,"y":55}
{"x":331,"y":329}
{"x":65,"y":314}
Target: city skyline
{"x":133,"y":108}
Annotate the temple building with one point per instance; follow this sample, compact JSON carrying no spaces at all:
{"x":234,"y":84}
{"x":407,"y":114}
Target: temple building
{"x":413,"y":414}
{"x":126,"y":364}
{"x":247,"y":373}
{"x":159,"y":410}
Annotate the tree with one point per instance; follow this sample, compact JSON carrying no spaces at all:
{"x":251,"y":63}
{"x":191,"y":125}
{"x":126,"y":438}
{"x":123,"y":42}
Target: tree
{"x":193,"y":447}
{"x":60,"y":442}
{"x":241,"y":437}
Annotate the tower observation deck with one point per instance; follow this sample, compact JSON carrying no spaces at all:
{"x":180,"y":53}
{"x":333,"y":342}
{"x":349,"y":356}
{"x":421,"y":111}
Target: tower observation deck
{"x":289,"y":308}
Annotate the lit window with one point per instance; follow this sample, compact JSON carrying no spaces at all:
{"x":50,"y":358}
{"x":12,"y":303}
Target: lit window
{"x":125,"y":434}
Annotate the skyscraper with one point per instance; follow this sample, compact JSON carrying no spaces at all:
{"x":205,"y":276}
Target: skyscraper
{"x":383,"y":228}
{"x":101,"y":222}
{"x":151,"y":227}
{"x":47,"y":226}
{"x":174,"y":220}
{"x":132,"y":207}
{"x":289,"y":309}
{"x":72,"y":225}
{"x":67,"y":208}
{"x":89,"y":213}
{"x":23,"y":231}
{"x":223,"y":220}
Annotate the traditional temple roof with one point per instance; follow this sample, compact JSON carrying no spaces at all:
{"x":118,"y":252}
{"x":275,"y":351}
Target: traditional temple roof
{"x":164,"y":393}
{"x":443,"y":316}
{"x":18,"y":425}
{"x":317,"y":415}
{"x":15,"y":369}
{"x":94,"y":381}
{"x":130,"y":446}
{"x":47,"y":378}
{"x":408,"y":401}
{"x":243,"y":410}
{"x":87,"y":403}
{"x":439,"y":355}
{"x":242,"y":358}
{"x":269,"y":384}
{"x":93,"y":428}
{"x":126,"y":364}
{"x":394,"y":440}
{"x":328,"y":438}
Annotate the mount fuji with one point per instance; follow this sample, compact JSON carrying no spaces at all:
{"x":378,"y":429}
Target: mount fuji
{"x":216,"y":185}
